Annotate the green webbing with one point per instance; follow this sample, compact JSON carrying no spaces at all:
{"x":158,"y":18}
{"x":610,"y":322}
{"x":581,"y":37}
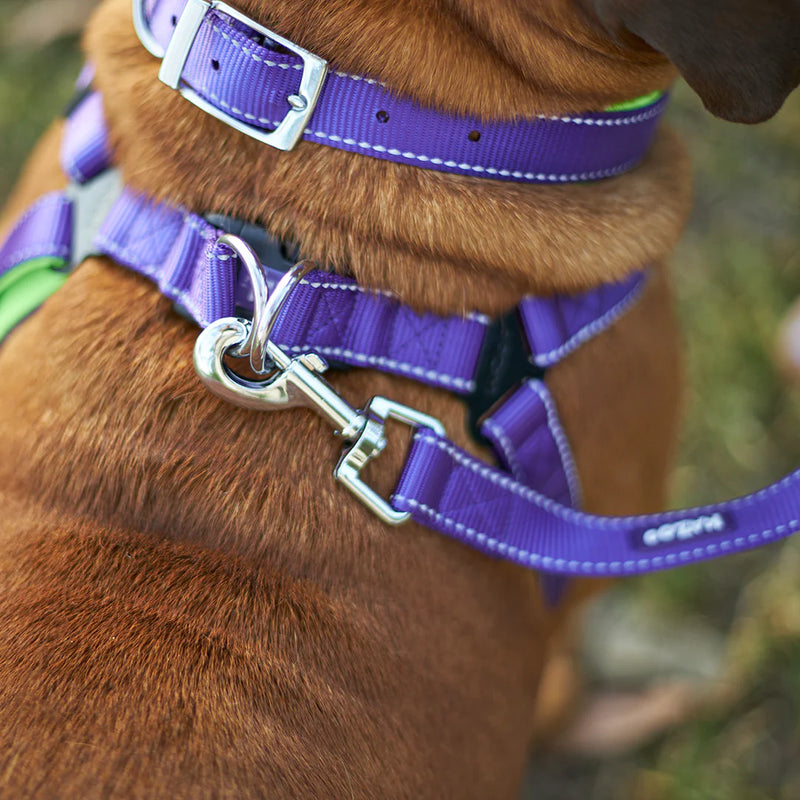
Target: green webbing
{"x":24,"y":288}
{"x":639,"y":102}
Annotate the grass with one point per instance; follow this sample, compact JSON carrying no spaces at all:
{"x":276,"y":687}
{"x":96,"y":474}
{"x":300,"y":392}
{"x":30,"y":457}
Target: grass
{"x":737,"y":270}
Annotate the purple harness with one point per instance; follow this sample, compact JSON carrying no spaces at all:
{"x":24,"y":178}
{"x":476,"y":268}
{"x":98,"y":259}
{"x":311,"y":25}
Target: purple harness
{"x":524,"y":510}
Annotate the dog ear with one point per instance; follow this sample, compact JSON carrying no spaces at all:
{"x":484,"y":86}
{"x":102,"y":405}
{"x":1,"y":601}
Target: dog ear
{"x":741,"y":56}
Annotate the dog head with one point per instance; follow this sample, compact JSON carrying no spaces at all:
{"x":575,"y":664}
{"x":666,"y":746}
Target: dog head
{"x":741,"y":56}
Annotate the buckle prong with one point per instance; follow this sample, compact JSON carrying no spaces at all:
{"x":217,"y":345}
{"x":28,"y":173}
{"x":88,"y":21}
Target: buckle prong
{"x":301,"y":104}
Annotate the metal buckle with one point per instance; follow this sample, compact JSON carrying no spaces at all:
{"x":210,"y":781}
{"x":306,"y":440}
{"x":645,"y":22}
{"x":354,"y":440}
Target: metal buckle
{"x":143,"y":30}
{"x":297,"y":382}
{"x":293,"y":125}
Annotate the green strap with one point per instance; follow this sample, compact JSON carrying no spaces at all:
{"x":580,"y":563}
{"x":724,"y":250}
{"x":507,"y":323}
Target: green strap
{"x":639,"y":102}
{"x":24,"y":288}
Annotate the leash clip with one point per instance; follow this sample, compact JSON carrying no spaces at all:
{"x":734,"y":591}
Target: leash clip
{"x":290,"y":382}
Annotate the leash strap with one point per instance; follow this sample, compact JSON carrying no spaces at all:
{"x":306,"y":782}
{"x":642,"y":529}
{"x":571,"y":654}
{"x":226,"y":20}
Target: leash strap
{"x":446,"y":489}
{"x":229,"y":67}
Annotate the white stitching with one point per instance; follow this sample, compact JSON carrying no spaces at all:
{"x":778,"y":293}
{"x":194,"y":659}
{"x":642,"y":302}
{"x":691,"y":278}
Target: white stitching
{"x":564,"y":449}
{"x":346,"y":287}
{"x":299,"y":67}
{"x":382,"y":361}
{"x":35,"y":251}
{"x":536,"y":559}
{"x":506,"y":446}
{"x":593,"y":328}
{"x":634,"y":119}
{"x":528,"y":176}
{"x":579,"y":517}
{"x":249,"y":53}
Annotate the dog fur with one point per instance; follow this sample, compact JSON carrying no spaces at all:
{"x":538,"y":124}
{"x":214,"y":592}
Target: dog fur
{"x":189,"y":606}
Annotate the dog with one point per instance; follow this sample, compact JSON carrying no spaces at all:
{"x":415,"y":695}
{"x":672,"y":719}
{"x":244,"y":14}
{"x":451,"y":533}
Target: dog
{"x":190,"y":607}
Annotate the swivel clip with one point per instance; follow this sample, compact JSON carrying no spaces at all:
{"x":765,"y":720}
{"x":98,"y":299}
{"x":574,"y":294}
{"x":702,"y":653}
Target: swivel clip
{"x":289,"y":381}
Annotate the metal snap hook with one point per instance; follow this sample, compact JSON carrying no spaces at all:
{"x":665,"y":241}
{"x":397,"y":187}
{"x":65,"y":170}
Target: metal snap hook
{"x":266,"y":305}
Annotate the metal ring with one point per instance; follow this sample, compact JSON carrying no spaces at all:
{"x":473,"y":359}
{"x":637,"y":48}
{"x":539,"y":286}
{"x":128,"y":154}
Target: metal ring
{"x":266,"y":305}
{"x":143,"y":31}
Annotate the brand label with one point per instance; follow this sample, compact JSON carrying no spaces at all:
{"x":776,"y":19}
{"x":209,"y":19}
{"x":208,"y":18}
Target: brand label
{"x":682,"y":530}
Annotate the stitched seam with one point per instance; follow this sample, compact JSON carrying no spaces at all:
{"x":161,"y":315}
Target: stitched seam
{"x":631,"y":120}
{"x":268,"y":63}
{"x":36,"y":251}
{"x":564,"y":449}
{"x":346,"y":287}
{"x":439,"y":162}
{"x":602,"y":567}
{"x":592,"y":329}
{"x":506,"y":447}
{"x":529,"y":176}
{"x":572,"y":515}
{"x":390,"y":363}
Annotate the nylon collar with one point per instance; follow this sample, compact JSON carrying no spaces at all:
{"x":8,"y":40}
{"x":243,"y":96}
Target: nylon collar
{"x":278,"y":93}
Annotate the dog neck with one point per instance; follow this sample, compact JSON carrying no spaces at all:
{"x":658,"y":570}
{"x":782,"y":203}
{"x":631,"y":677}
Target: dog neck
{"x":390,"y":225}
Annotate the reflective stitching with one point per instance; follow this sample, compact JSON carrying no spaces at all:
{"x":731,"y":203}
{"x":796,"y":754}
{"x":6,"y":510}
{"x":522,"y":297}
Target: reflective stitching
{"x":564,"y":449}
{"x":593,"y":328}
{"x":586,"y":567}
{"x":504,"y":173}
{"x":383,"y":361}
{"x":634,"y":119}
{"x":268,"y":63}
{"x":581,"y":518}
{"x":506,"y":446}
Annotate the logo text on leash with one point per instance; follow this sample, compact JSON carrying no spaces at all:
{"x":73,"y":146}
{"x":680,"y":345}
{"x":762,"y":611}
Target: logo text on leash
{"x":683,"y":530}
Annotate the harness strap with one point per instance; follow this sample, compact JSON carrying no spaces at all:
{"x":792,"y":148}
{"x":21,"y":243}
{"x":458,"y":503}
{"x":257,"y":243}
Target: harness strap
{"x":531,"y":445}
{"x":44,"y":230}
{"x":232,"y":70}
{"x":330,"y":314}
{"x":442,"y":486}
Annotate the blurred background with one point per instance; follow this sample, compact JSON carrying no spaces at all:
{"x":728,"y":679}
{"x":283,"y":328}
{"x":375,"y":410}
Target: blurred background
{"x":707,"y":658}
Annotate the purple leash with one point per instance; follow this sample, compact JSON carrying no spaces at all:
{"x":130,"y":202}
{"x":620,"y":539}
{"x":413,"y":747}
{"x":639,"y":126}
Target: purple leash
{"x":448,"y":490}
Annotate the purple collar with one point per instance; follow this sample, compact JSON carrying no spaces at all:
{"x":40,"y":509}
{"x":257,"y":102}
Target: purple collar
{"x":228,"y":65}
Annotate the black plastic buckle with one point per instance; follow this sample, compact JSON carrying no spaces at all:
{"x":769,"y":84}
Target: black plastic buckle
{"x":503,"y":364}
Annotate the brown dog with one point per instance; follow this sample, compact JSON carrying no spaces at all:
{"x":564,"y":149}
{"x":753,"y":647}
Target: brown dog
{"x":190,"y":607}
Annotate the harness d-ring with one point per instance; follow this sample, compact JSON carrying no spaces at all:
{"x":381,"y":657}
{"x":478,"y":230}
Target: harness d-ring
{"x":266,"y":305}
{"x":297,"y":381}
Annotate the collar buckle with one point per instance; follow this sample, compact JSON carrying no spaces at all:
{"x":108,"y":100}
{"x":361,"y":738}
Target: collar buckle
{"x":302,"y":103}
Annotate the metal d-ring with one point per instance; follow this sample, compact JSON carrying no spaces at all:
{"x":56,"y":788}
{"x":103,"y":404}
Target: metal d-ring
{"x":266,"y":305}
{"x":142,"y":26}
